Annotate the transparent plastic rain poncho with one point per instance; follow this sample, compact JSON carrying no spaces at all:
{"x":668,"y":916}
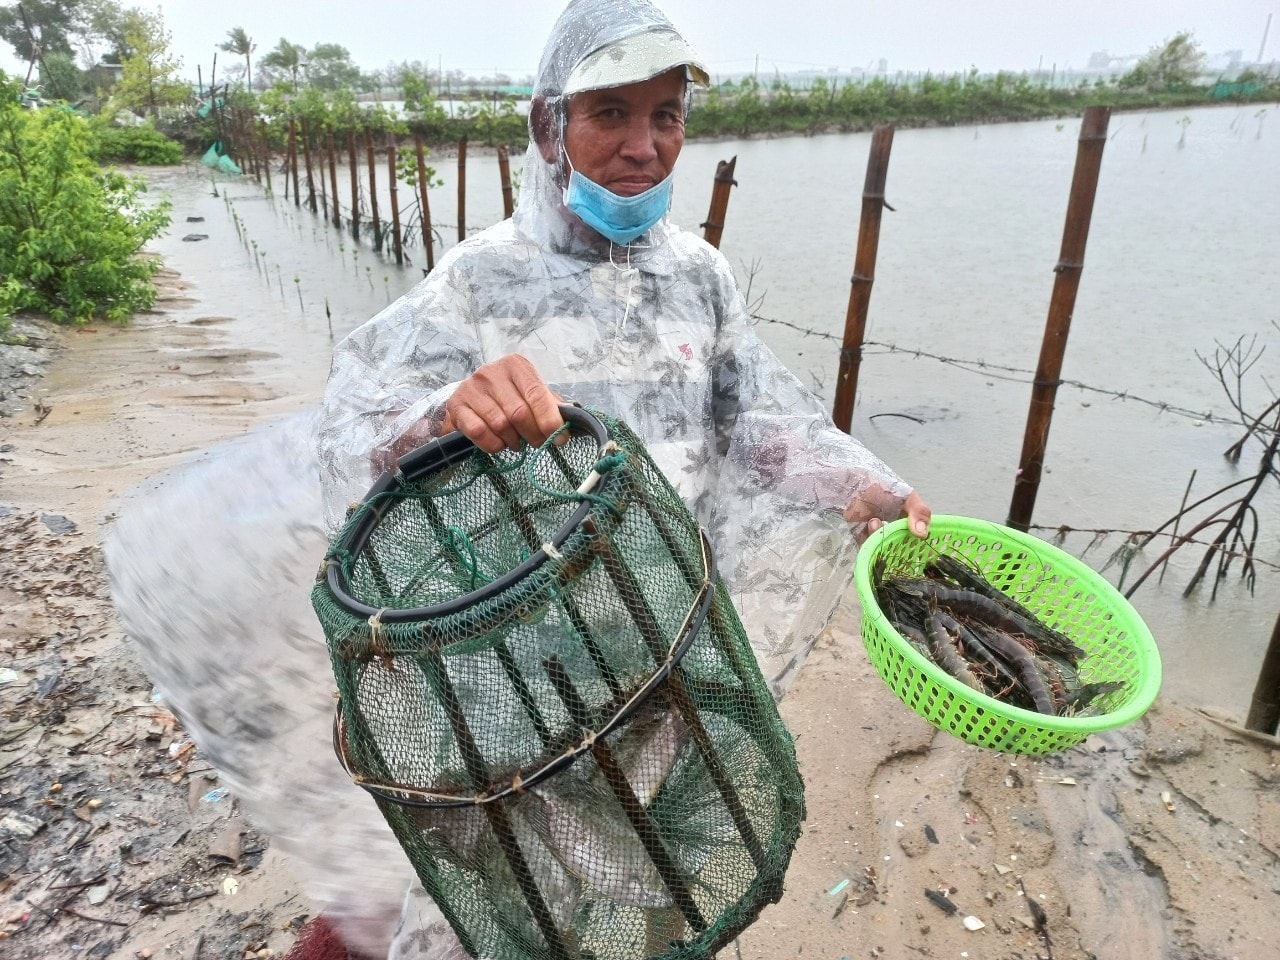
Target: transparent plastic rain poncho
{"x":655,"y":333}
{"x":212,"y":564}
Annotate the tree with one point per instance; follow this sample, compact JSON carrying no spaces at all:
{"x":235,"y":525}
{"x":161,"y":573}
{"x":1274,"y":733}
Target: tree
{"x":41,"y":27}
{"x":329,"y":67}
{"x":238,"y":42}
{"x":70,"y":234}
{"x":285,"y":56}
{"x":60,"y":78}
{"x":105,"y":25}
{"x":1173,"y":65}
{"x":150,"y":78}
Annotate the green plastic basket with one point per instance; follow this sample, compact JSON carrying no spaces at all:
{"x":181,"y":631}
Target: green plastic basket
{"x":1059,"y":589}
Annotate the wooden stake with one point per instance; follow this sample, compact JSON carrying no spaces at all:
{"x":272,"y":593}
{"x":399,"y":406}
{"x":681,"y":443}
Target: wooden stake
{"x":324,"y":190}
{"x":504,"y":174}
{"x":864,"y":274}
{"x":462,"y":189}
{"x":306,"y":156}
{"x":1264,"y":710}
{"x":395,"y":197}
{"x":355,"y":184}
{"x":1084,"y":186}
{"x":713,"y":228}
{"x":373,"y":190}
{"x":333,"y":178}
{"x":251,"y":137}
{"x":265,"y":144}
{"x":428,"y":235}
{"x":243,"y":145}
{"x":293,"y":161}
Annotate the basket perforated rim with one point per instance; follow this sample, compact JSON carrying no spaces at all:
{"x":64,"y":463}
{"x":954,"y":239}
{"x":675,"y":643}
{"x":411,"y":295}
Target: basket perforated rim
{"x":1064,"y":564}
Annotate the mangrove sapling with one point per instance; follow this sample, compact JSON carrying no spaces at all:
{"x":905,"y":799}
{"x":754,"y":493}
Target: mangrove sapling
{"x":1236,"y":521}
{"x":297,"y":285}
{"x":71,"y":232}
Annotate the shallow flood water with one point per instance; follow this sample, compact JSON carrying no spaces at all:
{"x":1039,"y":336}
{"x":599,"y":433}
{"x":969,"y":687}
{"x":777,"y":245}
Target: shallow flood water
{"x":1181,"y":256}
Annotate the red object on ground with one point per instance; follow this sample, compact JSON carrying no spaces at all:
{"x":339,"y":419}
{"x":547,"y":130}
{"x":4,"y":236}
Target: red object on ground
{"x":318,"y":940}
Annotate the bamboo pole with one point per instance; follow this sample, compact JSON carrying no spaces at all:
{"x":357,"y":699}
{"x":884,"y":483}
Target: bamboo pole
{"x":293,"y":161}
{"x":306,"y":156}
{"x":373,"y":190}
{"x":428,"y":235}
{"x":237,"y":136}
{"x":324,"y":189}
{"x":355,"y":184}
{"x":333,"y":177}
{"x":1075,"y":234}
{"x":251,"y":136}
{"x":462,"y":189}
{"x":265,"y":141}
{"x":864,"y":274}
{"x":242,"y":146}
{"x":504,"y":174}
{"x":713,"y":228}
{"x":395,"y":198}
{"x":246,"y":137}
{"x":1264,"y":710}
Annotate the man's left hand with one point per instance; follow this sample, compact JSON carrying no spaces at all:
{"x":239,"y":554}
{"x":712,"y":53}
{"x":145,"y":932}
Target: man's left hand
{"x":872,"y":510}
{"x":915,"y":510}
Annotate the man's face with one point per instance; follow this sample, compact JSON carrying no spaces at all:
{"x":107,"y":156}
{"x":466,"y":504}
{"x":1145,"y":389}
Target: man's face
{"x":627,"y":138}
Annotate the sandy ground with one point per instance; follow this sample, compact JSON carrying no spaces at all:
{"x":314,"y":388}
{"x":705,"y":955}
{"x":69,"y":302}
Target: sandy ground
{"x":1159,"y":841}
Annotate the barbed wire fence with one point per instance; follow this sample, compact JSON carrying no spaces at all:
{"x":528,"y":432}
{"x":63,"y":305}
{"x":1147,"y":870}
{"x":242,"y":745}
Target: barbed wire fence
{"x":1003,"y":372}
{"x":1230,"y":363}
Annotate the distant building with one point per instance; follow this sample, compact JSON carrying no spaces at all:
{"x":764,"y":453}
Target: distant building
{"x":1099,"y":60}
{"x":1102,"y":61}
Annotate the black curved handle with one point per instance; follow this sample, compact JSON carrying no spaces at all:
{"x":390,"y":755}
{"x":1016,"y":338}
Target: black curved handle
{"x":429,"y":458}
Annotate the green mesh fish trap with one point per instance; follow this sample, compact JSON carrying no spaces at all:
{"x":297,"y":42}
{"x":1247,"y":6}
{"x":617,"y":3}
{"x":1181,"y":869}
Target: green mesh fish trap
{"x":551,"y":698}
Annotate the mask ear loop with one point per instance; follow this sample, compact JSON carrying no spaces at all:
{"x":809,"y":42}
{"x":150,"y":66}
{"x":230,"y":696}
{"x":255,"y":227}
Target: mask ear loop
{"x":630,"y":273}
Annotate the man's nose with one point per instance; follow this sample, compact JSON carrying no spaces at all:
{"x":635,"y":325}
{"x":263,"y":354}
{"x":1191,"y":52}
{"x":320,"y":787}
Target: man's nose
{"x":639,"y":143}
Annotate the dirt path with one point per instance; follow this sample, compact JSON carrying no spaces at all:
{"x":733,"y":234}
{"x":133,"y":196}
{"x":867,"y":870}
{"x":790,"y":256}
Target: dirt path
{"x":1162,"y":841}
{"x":114,"y":836}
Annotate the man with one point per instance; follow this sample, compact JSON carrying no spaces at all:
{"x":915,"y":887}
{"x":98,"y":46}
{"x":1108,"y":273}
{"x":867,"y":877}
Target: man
{"x":590,"y":294}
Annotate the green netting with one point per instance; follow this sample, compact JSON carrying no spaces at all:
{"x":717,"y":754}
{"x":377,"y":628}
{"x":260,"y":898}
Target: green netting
{"x":552,"y":699}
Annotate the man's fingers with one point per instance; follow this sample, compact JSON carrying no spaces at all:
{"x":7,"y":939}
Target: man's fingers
{"x":918,"y":514}
{"x":481,"y":432}
{"x":504,"y":402}
{"x":538,"y":414}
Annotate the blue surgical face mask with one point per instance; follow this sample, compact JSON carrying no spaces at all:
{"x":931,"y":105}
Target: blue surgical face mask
{"x":621,"y":219}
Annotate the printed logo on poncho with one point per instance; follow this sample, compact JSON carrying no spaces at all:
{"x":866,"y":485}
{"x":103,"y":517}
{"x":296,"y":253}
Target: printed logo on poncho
{"x":686,"y":352}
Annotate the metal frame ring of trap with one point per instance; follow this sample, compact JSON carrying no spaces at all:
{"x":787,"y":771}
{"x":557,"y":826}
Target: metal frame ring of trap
{"x":549,"y":694}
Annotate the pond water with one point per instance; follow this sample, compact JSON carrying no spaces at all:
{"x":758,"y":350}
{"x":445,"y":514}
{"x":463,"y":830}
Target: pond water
{"x":1182,"y":257}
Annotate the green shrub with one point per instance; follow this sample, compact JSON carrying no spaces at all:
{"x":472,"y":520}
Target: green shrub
{"x":70,"y":234}
{"x":143,"y":144}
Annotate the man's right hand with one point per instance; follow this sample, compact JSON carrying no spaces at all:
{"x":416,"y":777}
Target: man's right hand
{"x":503,"y":403}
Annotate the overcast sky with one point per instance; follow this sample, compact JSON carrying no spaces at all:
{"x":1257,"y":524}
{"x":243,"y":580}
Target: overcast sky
{"x":484,"y":36}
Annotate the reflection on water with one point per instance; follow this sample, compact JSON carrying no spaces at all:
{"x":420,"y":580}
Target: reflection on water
{"x":1181,"y":256}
